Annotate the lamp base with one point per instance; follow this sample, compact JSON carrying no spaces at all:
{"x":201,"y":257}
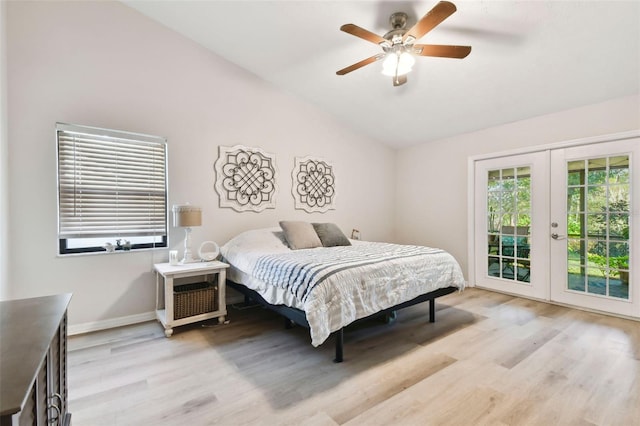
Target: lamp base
{"x":188,"y":258}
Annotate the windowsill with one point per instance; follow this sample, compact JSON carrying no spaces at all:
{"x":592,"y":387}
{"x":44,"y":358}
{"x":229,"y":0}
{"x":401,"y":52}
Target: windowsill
{"x":102,"y":253}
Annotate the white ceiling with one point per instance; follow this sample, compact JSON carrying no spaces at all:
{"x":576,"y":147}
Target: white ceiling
{"x":529,"y":58}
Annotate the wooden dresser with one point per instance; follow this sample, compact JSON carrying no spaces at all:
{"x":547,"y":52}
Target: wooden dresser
{"x":33,"y":361}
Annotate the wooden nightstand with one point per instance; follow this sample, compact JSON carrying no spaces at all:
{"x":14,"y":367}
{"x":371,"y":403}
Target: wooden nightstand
{"x":166,"y":275}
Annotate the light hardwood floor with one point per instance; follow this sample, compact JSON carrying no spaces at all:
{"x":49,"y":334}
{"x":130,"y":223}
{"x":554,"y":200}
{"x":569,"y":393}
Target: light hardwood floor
{"x":489,"y":359}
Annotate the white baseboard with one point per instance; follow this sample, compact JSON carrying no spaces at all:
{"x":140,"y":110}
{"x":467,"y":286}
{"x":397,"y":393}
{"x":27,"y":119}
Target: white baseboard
{"x":88,"y":327}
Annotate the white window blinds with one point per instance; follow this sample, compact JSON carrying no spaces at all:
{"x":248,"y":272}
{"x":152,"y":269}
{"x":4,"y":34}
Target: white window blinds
{"x":110,"y":183}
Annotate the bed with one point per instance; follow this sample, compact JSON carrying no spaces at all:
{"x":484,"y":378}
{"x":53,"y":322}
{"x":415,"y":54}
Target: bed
{"x":324,"y":281}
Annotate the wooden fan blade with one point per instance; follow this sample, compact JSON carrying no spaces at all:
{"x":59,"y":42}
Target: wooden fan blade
{"x":443,"y":51}
{"x":360,"y":64}
{"x":439,"y":13}
{"x":363,"y":34}
{"x":399,"y":80}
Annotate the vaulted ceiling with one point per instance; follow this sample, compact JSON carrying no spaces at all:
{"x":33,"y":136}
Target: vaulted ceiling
{"x":529,"y":58}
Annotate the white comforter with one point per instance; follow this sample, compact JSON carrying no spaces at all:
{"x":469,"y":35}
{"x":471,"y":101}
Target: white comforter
{"x":357,"y":290}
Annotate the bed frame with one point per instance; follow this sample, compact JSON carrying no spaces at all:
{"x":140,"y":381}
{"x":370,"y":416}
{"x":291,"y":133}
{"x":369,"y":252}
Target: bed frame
{"x":297,"y":316}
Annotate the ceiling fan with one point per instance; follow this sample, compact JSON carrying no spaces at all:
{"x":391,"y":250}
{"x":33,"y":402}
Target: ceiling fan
{"x":398,"y":46}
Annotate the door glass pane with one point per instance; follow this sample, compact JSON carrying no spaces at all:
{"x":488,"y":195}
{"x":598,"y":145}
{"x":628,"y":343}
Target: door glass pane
{"x":596,"y":199}
{"x":493,"y":183}
{"x":494,"y":266}
{"x":597,"y":171}
{"x":619,"y":170}
{"x":576,"y":174}
{"x":509,"y":223}
{"x":596,"y":283}
{"x":576,"y":279}
{"x":575,"y":265}
{"x":574,"y":197}
{"x":598,"y":234}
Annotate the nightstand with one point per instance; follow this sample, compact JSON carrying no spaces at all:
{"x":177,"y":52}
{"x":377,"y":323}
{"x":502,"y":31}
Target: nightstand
{"x":170,"y":280}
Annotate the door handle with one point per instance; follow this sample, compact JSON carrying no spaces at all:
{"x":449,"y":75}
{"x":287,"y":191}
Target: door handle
{"x":558,"y":237}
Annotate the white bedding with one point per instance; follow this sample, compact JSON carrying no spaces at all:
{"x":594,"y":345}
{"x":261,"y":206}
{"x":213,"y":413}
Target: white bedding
{"x":346,"y":293}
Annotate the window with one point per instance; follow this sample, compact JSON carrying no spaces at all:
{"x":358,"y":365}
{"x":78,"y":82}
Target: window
{"x":112,"y":190}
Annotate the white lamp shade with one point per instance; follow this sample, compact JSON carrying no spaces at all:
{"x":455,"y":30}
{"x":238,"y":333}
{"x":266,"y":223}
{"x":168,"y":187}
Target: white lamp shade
{"x":186,"y":215}
{"x":397,"y":64}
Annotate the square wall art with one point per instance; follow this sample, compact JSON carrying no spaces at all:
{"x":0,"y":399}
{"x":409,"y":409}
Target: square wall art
{"x":246,"y":178}
{"x":314,"y":185}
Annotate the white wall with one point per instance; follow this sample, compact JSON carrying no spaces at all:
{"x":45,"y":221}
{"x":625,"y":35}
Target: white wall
{"x":103,"y":64}
{"x":4,"y":162}
{"x":432,"y":178}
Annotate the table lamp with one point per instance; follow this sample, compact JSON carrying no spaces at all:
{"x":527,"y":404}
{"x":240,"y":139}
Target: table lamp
{"x":186,"y":216}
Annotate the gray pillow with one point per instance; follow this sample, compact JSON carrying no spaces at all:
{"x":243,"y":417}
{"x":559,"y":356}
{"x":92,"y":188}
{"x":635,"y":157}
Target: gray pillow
{"x":300,"y":235}
{"x":330,"y":235}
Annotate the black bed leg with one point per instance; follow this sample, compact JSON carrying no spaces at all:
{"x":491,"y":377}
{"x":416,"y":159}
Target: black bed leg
{"x":288,"y":324}
{"x":432,"y":310}
{"x":339,"y":343}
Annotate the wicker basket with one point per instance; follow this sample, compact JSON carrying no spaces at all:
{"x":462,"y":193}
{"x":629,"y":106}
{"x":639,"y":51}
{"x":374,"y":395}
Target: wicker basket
{"x":193,"y":299}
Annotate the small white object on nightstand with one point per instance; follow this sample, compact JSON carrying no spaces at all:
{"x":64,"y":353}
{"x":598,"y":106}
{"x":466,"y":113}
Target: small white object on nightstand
{"x":208,"y":251}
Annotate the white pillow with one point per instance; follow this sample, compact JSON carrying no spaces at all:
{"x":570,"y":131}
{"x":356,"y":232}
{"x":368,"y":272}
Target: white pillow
{"x":244,"y":249}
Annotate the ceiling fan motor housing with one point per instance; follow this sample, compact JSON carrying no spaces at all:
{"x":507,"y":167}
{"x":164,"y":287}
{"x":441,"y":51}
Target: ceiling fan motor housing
{"x":398,"y":22}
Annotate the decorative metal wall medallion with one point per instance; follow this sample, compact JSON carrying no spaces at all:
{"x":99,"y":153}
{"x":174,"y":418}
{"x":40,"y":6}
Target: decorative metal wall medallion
{"x":314,"y":185}
{"x":246,"y":178}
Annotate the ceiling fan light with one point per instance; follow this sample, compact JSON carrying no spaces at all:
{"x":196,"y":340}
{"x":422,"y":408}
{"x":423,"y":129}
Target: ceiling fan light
{"x":406,"y":62}
{"x":389,"y":64}
{"x":397,"y":64}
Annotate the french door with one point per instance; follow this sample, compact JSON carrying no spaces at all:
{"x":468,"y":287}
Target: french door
{"x":511,"y":204}
{"x":562,"y":224}
{"x":595,"y":197}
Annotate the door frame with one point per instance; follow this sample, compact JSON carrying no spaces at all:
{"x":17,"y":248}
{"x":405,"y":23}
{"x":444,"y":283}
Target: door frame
{"x":471,"y":183}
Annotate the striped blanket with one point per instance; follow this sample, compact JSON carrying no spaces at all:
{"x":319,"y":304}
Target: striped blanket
{"x":299,"y":272}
